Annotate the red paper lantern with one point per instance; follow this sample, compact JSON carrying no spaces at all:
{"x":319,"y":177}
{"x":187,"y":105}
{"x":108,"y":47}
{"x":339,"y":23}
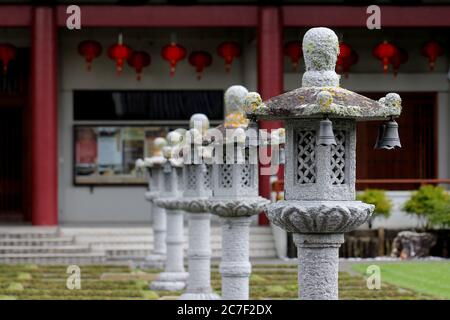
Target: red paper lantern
{"x":293,"y":49}
{"x":90,"y":50}
{"x":432,"y":49}
{"x":200,"y":60}
{"x":384,"y":51}
{"x":139,"y":60}
{"x":400,"y":57}
{"x":345,"y":52}
{"x":350,"y":61}
{"x":7,"y":53}
{"x":229,"y":50}
{"x":120,"y":53}
{"x":173,"y":53}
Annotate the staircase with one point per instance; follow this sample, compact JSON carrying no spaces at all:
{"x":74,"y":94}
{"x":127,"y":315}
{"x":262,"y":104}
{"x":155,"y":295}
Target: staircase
{"x":91,"y":245}
{"x":44,"y":245}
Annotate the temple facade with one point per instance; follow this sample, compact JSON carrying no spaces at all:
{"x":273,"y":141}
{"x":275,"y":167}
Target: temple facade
{"x":71,"y":133}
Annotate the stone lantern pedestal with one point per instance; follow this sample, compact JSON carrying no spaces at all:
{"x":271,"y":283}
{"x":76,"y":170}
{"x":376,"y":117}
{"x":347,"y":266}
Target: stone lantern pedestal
{"x":235,"y":266}
{"x":320,"y":165}
{"x":158,"y":254}
{"x":174,"y":276}
{"x":235,"y":193}
{"x":197,"y":189}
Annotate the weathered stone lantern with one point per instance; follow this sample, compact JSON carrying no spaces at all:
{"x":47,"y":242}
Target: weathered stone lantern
{"x":154,"y":168}
{"x":174,"y":276}
{"x":197,"y":189}
{"x":320,"y":120}
{"x":235,"y":194}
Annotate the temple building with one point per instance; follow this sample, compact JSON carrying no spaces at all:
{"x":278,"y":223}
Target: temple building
{"x":79,"y":106}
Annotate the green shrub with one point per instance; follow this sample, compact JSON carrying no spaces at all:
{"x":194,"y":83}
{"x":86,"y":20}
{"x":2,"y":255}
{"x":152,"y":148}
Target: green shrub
{"x":378,"y":198}
{"x":431,"y":204}
{"x":149,"y":295}
{"x":24,"y":276}
{"x":15,"y":286}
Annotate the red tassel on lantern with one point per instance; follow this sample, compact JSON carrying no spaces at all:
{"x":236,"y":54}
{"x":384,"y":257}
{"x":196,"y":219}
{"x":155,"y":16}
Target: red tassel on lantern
{"x":345,"y":52}
{"x":400,"y":57}
{"x":139,"y":60}
{"x":90,"y":50}
{"x":200,"y":60}
{"x":432,"y":50}
{"x":173,"y":53}
{"x":293,"y":49}
{"x":7,"y":53}
{"x":229,"y":50}
{"x":384,"y":51}
{"x":120,"y":53}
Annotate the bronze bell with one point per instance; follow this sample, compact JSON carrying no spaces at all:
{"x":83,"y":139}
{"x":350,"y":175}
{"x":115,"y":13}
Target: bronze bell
{"x":381,"y":130}
{"x":326,"y":134}
{"x":390,"y":138}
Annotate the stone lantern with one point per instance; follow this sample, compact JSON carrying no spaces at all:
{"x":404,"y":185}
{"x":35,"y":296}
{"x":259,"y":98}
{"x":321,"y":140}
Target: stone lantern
{"x":154,"y":168}
{"x":320,"y":119}
{"x":197,"y":189}
{"x":235,"y":194}
{"x":174,"y":276}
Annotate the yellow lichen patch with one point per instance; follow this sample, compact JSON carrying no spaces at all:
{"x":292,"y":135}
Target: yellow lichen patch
{"x":236,"y":120}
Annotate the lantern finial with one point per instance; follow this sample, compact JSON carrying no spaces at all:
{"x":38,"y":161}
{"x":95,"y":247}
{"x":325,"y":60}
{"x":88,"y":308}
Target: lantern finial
{"x":320,"y":51}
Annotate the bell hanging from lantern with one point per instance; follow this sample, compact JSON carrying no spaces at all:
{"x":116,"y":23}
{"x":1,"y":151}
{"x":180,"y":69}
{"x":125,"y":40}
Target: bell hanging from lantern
{"x":388,"y":137}
{"x":381,"y":130}
{"x":326,"y":134}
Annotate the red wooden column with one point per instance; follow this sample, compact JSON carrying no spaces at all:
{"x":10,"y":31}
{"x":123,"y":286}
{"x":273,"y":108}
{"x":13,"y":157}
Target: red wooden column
{"x":44,"y":170}
{"x":270,"y":73}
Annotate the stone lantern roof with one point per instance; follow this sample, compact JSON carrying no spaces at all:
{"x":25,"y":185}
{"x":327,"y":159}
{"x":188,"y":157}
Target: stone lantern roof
{"x":320,"y":94}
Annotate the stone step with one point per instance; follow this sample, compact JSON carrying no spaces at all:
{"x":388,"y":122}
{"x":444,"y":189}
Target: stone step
{"x":98,"y":241}
{"x":37,"y":241}
{"x":28,"y":232}
{"x":54,"y":258}
{"x":139,"y":254}
{"x":132,"y":231}
{"x":44,"y":249}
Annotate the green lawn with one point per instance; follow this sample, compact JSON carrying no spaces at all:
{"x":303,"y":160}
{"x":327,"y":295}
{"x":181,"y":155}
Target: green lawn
{"x":428,"y":277}
{"x":120,"y":282}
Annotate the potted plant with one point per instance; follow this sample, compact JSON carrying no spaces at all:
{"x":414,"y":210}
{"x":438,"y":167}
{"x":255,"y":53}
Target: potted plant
{"x":378,"y":198}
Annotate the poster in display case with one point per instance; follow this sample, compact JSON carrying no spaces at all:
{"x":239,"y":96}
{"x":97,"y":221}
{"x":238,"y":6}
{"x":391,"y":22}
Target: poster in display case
{"x":106,"y":155}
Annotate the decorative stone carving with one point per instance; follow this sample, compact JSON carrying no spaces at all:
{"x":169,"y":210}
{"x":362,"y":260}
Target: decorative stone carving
{"x":174,"y":276}
{"x":319,"y":216}
{"x":319,"y":181}
{"x":197,"y":188}
{"x":153,"y":165}
{"x":243,"y":207}
{"x":235,"y":192}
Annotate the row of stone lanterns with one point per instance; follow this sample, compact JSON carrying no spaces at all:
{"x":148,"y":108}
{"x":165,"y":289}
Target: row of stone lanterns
{"x":320,"y":167}
{"x":207,"y":171}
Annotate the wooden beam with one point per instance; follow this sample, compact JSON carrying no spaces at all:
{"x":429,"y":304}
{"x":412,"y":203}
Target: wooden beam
{"x":15,"y":16}
{"x":163,"y":16}
{"x":356,"y":16}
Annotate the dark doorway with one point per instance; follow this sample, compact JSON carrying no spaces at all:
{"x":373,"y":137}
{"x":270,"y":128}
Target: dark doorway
{"x":11,"y":166}
{"x":13,"y":145}
{"x":418,"y":155}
